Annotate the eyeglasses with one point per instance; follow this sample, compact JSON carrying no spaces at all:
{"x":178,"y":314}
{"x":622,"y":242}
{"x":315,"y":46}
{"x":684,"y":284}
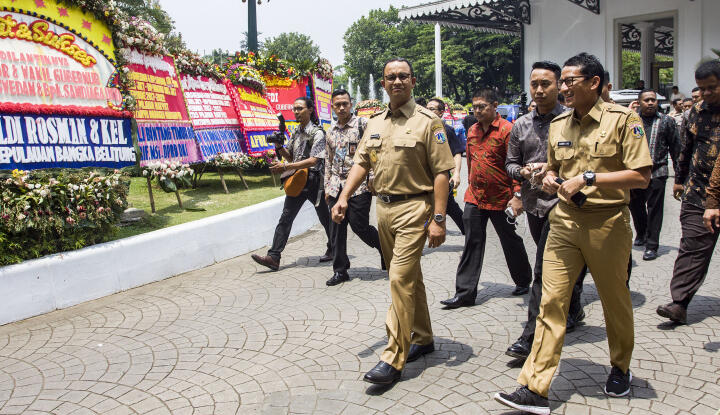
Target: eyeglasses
{"x":401,"y":76}
{"x":570,"y":80}
{"x":298,"y":109}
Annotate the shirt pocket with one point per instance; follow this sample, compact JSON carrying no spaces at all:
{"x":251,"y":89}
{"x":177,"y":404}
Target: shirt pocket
{"x":404,"y":150}
{"x":603,"y":150}
{"x":563,"y":152}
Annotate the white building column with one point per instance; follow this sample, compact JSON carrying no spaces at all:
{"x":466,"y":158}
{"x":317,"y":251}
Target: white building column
{"x":647,"y":50}
{"x":438,"y":62}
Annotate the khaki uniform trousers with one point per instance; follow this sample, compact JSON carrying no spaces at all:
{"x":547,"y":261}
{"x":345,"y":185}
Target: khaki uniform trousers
{"x":401,"y":227}
{"x":602,"y":239}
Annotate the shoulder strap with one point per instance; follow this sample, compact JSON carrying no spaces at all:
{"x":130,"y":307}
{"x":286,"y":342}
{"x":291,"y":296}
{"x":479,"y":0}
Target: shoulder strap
{"x":310,"y":141}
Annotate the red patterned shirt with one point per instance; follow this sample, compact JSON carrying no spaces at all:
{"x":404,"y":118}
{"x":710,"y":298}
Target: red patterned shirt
{"x":489,"y":186}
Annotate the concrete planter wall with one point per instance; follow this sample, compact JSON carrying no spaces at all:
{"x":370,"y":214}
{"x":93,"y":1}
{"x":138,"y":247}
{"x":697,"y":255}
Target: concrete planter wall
{"x":62,"y":280}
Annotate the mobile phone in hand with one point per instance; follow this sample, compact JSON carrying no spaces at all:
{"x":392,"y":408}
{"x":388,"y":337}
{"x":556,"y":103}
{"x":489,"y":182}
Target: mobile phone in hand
{"x":578,"y":198}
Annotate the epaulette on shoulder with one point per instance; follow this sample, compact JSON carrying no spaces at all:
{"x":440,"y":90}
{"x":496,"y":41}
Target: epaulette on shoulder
{"x":562,"y":116}
{"x":378,"y":113}
{"x":426,"y":112}
{"x":617,"y":108}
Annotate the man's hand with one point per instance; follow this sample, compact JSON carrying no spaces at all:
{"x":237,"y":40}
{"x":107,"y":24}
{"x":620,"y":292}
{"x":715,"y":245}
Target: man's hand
{"x":549,"y":185}
{"x":516,"y":205}
{"x":455,"y":180}
{"x":338,"y":211}
{"x":277,"y":168}
{"x":678,"y":190}
{"x":571,"y":186}
{"x":436,"y":234}
{"x":711,"y":219}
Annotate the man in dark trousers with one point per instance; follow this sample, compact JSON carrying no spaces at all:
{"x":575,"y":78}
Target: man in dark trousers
{"x":341,"y":143}
{"x":692,"y":178}
{"x":526,"y":162}
{"x":437,"y":106}
{"x":306,"y":149}
{"x":646,"y":205}
{"x":487,"y":196}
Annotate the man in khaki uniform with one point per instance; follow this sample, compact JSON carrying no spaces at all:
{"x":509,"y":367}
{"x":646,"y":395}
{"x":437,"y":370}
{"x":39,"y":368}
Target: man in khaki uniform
{"x":406,"y":147}
{"x":598,"y":148}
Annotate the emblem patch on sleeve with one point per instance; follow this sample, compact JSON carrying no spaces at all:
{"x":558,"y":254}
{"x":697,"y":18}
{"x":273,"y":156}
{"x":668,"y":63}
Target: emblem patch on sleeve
{"x":635,"y":126}
{"x":637,"y":130}
{"x":440,"y":137}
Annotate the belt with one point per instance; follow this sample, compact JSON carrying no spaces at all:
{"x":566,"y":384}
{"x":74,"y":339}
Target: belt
{"x":397,"y":198}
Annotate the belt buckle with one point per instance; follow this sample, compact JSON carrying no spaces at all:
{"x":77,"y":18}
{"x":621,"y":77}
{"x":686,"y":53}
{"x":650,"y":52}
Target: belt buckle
{"x":384,"y":198}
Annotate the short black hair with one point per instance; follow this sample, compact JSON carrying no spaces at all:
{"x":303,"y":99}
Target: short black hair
{"x":607,"y":78}
{"x":391,"y":60}
{"x":441,"y":104}
{"x":696,"y":89}
{"x":488,"y":94}
{"x":339,"y":92}
{"x":687,"y":99}
{"x":708,"y":69}
{"x":643,"y":91}
{"x":589,"y":65}
{"x":548,"y":65}
{"x":674,"y":87}
{"x":421,"y":101}
{"x":676,"y":101}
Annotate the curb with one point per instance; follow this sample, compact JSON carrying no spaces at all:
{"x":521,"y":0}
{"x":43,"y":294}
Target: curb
{"x":62,"y":280}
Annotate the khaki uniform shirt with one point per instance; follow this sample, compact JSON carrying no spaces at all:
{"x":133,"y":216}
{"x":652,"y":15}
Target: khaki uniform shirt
{"x":609,"y":138}
{"x":406,"y":148}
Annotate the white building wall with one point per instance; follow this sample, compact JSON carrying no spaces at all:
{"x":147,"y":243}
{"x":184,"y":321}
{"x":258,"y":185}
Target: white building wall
{"x":561,"y":29}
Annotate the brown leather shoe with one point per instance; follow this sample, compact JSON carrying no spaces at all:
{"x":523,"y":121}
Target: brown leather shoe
{"x":674,"y":312}
{"x":266,"y":261}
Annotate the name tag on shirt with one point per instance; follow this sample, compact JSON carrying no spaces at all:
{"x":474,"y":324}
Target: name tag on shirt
{"x":564,"y":143}
{"x":374,"y":136}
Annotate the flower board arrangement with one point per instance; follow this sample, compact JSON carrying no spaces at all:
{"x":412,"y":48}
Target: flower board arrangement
{"x":42,"y":214}
{"x":245,"y":75}
{"x":171,"y":175}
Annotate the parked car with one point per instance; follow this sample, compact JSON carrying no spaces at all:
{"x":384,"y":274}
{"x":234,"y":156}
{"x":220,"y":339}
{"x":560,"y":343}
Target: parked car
{"x":626,"y":96}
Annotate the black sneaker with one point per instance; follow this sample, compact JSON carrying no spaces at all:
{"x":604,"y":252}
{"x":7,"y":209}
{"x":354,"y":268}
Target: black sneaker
{"x":618,"y":383}
{"x":526,"y":400}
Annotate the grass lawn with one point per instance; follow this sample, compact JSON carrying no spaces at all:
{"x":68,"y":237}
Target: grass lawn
{"x":209,"y":195}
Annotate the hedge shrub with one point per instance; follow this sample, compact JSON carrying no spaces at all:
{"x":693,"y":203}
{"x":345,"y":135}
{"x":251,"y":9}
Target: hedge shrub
{"x":44,"y":213}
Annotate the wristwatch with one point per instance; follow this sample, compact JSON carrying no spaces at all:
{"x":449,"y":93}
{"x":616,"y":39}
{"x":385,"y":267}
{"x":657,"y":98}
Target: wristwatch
{"x":589,"y":177}
{"x":517,"y":194}
{"x":438,"y":218}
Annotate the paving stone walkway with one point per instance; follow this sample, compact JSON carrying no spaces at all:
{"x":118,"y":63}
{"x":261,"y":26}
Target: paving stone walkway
{"x":235,"y":338}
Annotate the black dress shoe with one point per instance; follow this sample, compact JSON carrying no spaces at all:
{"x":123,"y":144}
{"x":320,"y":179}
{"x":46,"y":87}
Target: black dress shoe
{"x":337,"y":278}
{"x":520,"y":290}
{"x":520,"y":349}
{"x":573,"y":320}
{"x":457,"y":302}
{"x":639,"y":242}
{"x":327,"y":257}
{"x":382,"y":374}
{"x":417,"y":351}
{"x":570,"y":324}
{"x":650,"y":254}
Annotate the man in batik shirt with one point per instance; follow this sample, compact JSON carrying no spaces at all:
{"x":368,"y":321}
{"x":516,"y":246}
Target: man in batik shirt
{"x":340,"y":145}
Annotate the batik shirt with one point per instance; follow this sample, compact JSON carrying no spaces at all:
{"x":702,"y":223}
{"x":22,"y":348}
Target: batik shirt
{"x":489,"y":186}
{"x":340,"y":146}
{"x":299,"y":140}
{"x":699,"y":152}
{"x":662,"y":142}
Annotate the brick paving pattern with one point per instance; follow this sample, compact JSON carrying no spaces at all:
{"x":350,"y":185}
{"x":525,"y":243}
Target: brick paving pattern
{"x":235,"y":338}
